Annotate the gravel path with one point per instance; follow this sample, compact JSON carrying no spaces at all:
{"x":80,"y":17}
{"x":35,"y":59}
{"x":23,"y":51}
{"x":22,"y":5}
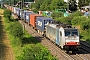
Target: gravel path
{"x":6,"y":52}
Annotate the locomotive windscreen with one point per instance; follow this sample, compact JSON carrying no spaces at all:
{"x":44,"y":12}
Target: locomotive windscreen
{"x":71,"y":32}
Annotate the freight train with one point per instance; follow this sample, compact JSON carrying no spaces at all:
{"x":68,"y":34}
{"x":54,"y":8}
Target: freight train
{"x":62,"y":35}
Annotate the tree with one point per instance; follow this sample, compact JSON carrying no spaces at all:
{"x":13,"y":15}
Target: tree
{"x":37,"y":4}
{"x":57,"y":4}
{"x":45,"y":5}
{"x":48,"y":4}
{"x":29,"y":0}
{"x":72,"y":5}
{"x":83,"y":3}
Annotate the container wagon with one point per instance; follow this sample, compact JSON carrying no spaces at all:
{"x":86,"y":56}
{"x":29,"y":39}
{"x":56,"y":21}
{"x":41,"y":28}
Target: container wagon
{"x":21,"y":13}
{"x":27,"y":17}
{"x":41,"y":23}
{"x":18,"y":12}
{"x":33,"y":19}
{"x":24,"y":14}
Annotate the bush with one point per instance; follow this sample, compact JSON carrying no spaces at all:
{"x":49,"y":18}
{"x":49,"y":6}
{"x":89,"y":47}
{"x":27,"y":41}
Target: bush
{"x":35,"y":52}
{"x":66,"y":20}
{"x":69,"y":18}
{"x":16,"y":30}
{"x":57,"y":15}
{"x":77,"y":20}
{"x":7,"y":13}
{"x":85,"y":24}
{"x":77,"y":13}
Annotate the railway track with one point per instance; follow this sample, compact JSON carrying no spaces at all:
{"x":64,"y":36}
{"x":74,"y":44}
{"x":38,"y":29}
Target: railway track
{"x":85,"y":47}
{"x":55,"y":51}
{"x":83,"y":53}
{"x":77,"y":57}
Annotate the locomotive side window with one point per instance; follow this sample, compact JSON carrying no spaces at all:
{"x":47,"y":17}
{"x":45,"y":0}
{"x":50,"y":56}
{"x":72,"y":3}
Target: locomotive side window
{"x":60,"y":33}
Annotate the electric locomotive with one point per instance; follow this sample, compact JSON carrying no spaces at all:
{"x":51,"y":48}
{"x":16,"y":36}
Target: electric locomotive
{"x":66,"y":38}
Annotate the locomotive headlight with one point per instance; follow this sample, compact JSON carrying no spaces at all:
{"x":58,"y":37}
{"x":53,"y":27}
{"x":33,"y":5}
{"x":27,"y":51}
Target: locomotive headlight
{"x":66,"y":43}
{"x":77,"y":42}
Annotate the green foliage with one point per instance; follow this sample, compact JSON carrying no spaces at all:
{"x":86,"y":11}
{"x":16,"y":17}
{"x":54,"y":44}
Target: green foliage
{"x":28,"y":39}
{"x":83,"y":3}
{"x":15,"y":41}
{"x":16,"y":30}
{"x":72,"y":5}
{"x":7,"y":13}
{"x":28,"y":0}
{"x":77,"y":19}
{"x":86,"y":35}
{"x":37,"y":4}
{"x":35,"y":52}
{"x":69,"y":18}
{"x":35,"y":10}
{"x":56,"y":15}
{"x":57,"y":4}
{"x":45,"y":5}
{"x":66,"y":20}
{"x":27,"y":48}
{"x":77,"y":13}
{"x":85,"y":24}
{"x":82,"y":21}
{"x":49,"y":5}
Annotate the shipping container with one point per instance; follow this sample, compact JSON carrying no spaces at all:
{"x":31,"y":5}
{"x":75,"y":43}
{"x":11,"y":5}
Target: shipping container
{"x":10,"y":8}
{"x":24,"y":14}
{"x":21,"y":13}
{"x":7,"y":7}
{"x":18,"y":12}
{"x":41,"y":22}
{"x":14,"y":10}
{"x":28,"y":17}
{"x":33,"y":19}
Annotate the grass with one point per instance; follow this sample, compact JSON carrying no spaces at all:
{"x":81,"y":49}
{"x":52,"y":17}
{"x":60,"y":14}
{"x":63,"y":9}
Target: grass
{"x":1,"y":11}
{"x":28,"y":41}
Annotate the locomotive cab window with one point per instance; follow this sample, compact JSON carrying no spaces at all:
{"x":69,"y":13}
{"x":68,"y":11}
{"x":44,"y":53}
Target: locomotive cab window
{"x":74,"y":33}
{"x":71,"y":32}
{"x":67,"y":33}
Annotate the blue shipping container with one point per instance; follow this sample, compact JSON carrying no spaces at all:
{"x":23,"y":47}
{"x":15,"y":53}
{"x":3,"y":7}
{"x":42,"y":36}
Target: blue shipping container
{"x":41,"y":23}
{"x":24,"y":14}
{"x":18,"y":11}
{"x":27,"y":17}
{"x":14,"y":10}
{"x":21,"y":13}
